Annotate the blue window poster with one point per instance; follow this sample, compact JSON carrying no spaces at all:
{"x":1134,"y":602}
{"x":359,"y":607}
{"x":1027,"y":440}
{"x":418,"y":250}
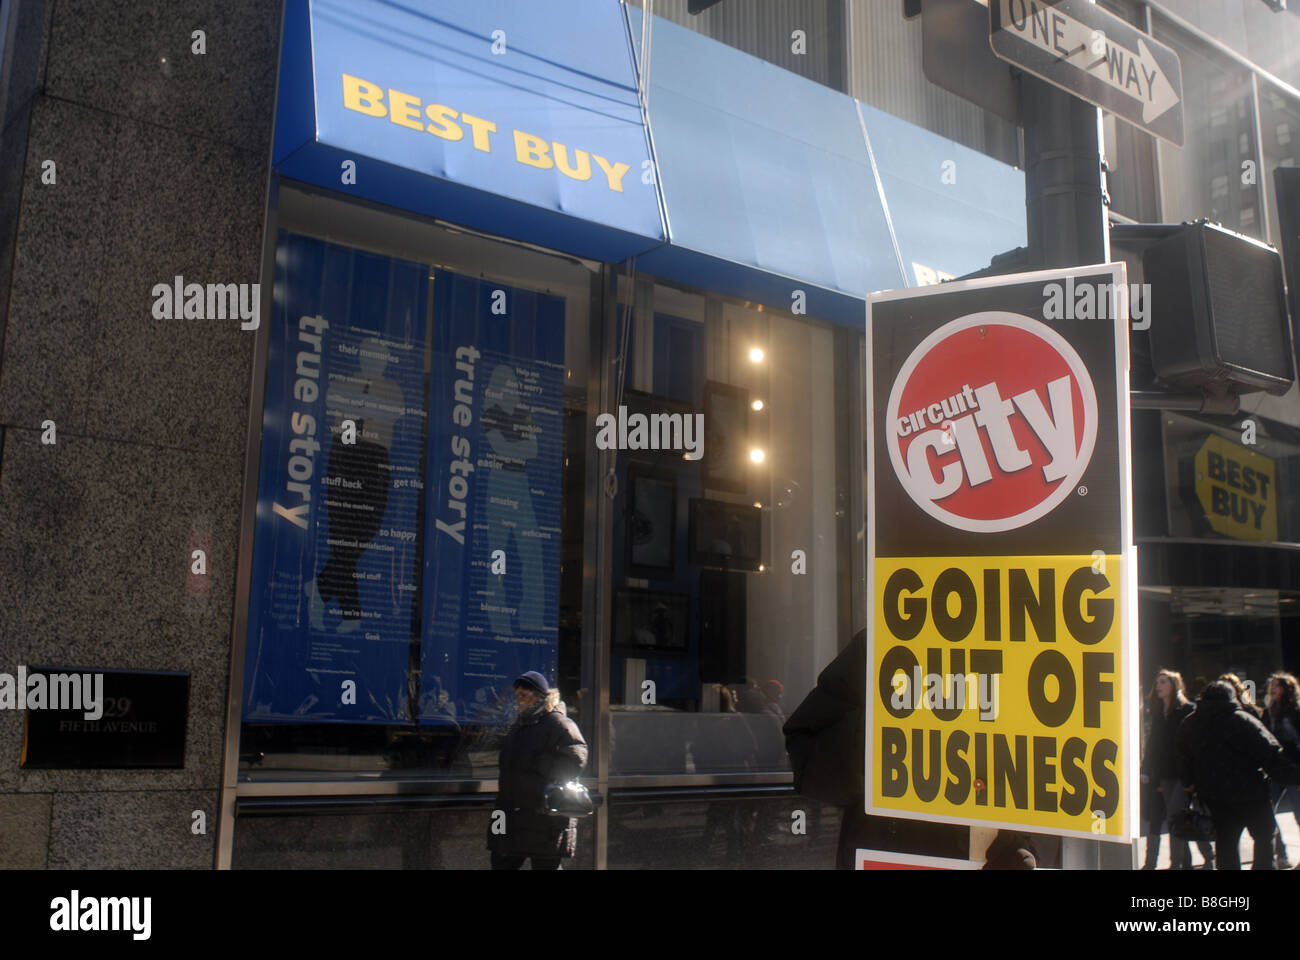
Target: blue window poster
{"x":492,"y":521}
{"x":335,"y":562}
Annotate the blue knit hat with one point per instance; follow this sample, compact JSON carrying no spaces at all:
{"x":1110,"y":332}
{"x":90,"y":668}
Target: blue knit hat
{"x":534,"y":680}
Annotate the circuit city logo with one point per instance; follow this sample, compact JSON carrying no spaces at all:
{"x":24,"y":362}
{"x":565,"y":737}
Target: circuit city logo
{"x":992,"y":421}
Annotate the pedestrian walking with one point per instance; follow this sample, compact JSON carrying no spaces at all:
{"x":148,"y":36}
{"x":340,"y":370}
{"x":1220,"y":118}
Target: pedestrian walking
{"x":543,"y":747}
{"x":1243,"y":694}
{"x":825,"y":738}
{"x":1225,"y":755}
{"x":1282,"y":717}
{"x":1160,"y":768}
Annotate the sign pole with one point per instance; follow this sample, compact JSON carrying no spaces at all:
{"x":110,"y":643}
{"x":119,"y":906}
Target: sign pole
{"x":1065,"y":202}
{"x":1065,"y":208}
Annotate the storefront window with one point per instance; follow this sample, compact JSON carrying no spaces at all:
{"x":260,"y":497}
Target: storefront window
{"x":419,"y":538}
{"x":1215,"y":174}
{"x":1203,"y":632}
{"x":726,"y":588}
{"x":1129,"y":152}
{"x":1130,"y":178}
{"x":1253,"y":29}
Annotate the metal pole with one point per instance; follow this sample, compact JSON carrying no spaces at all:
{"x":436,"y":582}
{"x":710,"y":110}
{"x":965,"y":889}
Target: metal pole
{"x":1064,"y":182}
{"x":1065,"y":207}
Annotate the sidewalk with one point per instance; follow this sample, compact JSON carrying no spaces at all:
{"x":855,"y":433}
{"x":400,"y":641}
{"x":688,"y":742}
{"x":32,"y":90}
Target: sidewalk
{"x":1286,"y":821}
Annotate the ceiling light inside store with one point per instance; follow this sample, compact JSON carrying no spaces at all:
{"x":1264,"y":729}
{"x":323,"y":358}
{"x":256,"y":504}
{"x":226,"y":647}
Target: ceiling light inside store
{"x":756,"y":455}
{"x":756,"y":354}
{"x":757,"y":404}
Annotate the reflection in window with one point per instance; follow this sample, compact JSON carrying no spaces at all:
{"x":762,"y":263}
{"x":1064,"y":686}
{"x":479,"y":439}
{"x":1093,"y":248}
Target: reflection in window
{"x":429,"y":562}
{"x":1130,"y":169}
{"x":1222,"y":484}
{"x":725,"y":600}
{"x":1219,"y":132}
{"x":1279,"y":115}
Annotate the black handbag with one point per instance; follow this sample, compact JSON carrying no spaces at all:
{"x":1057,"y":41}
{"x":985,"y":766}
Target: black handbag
{"x":1192,"y":823}
{"x":568,"y":800}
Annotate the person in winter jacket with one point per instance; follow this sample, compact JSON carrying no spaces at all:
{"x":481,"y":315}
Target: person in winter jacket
{"x":1225,"y":755}
{"x":1160,"y":768}
{"x":1011,"y":851}
{"x":826,"y":740}
{"x":543,"y":747}
{"x":1282,"y":717}
{"x":1244,"y":699}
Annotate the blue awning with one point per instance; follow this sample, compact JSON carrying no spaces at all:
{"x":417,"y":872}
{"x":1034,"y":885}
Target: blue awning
{"x":506,"y":118}
{"x":953,"y":208}
{"x":761,"y":167}
{"x":773,"y":182}
{"x":498,"y":116}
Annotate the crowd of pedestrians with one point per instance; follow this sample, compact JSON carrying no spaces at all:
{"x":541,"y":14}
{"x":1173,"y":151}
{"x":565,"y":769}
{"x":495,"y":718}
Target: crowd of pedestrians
{"x":1219,"y":766}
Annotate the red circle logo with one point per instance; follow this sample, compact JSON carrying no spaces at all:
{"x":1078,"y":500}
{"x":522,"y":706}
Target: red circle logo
{"x":991,"y":422}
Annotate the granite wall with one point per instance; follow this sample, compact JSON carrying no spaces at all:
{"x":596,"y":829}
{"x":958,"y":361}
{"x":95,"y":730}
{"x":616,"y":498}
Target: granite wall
{"x":160,"y":166}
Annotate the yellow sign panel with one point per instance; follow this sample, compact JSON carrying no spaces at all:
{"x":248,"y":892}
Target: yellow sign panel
{"x":996,"y":691}
{"x":1237,"y":490}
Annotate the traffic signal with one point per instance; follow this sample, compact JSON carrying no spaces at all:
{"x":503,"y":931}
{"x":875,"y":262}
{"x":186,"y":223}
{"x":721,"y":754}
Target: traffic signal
{"x":1218,"y":311}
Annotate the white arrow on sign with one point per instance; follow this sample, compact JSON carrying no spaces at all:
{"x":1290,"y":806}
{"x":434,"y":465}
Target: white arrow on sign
{"x":1137,"y":75}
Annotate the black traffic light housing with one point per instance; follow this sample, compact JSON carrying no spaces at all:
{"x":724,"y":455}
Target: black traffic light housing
{"x":1218,"y":311}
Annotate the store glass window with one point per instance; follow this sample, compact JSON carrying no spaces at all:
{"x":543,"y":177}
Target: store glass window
{"x":1252,"y":28}
{"x":1130,"y":179}
{"x":730,"y":572}
{"x":1279,"y":123}
{"x":1205,"y":631}
{"x":1129,"y":152}
{"x":420,"y":511}
{"x":1215,"y":174}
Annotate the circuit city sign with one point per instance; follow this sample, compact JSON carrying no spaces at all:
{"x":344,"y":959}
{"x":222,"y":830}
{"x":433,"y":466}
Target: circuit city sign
{"x":1001,"y":686}
{"x":1024,"y":361}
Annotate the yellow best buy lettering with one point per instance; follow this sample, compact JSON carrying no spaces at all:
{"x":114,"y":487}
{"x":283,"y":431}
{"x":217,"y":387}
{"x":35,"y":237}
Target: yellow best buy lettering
{"x":404,"y":109}
{"x":1236,"y":488}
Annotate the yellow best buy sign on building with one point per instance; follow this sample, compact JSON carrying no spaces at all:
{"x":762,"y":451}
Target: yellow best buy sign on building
{"x":1237,"y":490}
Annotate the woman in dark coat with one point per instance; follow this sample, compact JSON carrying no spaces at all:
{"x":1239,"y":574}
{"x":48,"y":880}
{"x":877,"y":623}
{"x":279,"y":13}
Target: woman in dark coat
{"x":1282,"y":718}
{"x":1227,"y":757}
{"x":825,"y":738}
{"x":543,"y":747}
{"x":1160,"y":768}
{"x":1244,"y":699}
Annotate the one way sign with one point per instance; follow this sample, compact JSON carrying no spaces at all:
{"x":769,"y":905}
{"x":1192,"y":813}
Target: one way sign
{"x":1093,"y":54}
